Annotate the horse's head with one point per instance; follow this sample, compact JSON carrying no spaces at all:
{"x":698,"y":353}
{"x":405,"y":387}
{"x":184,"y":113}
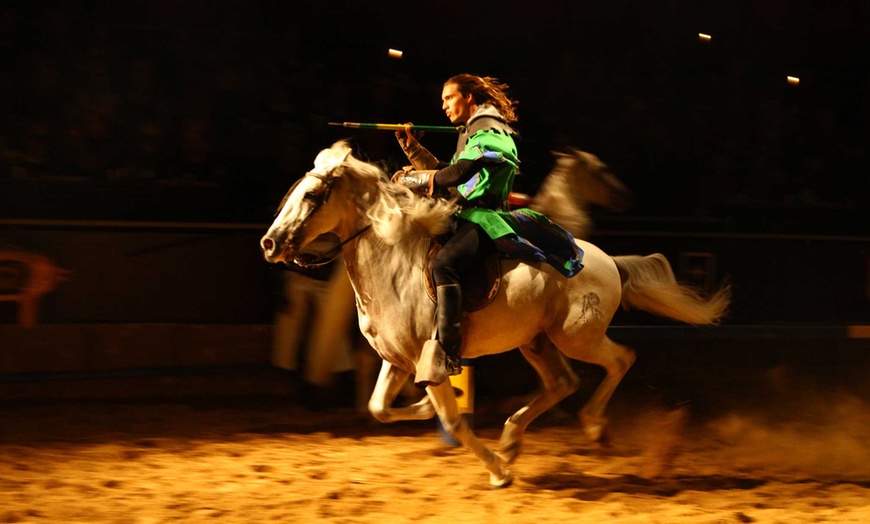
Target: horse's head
{"x":594,"y":181}
{"x":578,"y":180}
{"x":306,"y":212}
{"x":347,"y":196}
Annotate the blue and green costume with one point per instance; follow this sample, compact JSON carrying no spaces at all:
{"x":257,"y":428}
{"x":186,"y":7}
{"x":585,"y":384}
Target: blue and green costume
{"x":521,"y":233}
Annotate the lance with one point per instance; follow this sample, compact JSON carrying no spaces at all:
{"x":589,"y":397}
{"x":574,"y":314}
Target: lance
{"x":397,"y":127}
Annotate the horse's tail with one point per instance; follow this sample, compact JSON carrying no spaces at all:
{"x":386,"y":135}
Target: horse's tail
{"x":649,"y":284}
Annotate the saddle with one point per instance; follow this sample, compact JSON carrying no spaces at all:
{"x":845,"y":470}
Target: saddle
{"x":479,"y":285}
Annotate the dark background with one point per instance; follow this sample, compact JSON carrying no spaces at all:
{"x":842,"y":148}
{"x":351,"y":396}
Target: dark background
{"x":194,"y":111}
{"x":178,"y":126}
{"x":207,"y":111}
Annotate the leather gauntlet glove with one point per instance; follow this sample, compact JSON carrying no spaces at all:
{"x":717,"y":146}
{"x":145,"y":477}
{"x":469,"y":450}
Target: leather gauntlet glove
{"x":419,"y":156}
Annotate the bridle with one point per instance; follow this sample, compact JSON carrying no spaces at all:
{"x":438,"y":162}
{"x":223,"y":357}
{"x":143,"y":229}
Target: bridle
{"x":329,"y":256}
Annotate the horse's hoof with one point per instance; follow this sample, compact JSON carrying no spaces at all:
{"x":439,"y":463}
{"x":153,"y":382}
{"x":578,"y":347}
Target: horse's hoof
{"x":497,"y":483}
{"x":595,"y":429}
{"x":594,"y":432}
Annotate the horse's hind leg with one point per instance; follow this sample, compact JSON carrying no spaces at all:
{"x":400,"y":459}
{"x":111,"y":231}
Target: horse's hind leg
{"x":391,"y":380}
{"x":559,"y":381}
{"x":616,"y":359}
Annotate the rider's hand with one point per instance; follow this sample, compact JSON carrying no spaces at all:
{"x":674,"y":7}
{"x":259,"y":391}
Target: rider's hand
{"x":398,"y":175}
{"x":420,"y":181}
{"x":408,"y":138}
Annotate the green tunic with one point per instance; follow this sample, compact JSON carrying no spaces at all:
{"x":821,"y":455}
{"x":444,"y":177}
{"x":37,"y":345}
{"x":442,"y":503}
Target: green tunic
{"x":521,"y":233}
{"x":497,"y":147}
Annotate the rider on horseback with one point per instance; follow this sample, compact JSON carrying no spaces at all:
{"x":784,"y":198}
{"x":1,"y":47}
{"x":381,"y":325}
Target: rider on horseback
{"x":482,"y":172}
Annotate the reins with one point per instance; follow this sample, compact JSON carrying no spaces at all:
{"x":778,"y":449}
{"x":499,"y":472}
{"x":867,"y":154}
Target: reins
{"x":329,"y":256}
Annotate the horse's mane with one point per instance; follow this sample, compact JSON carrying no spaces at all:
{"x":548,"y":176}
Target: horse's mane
{"x":395,"y":213}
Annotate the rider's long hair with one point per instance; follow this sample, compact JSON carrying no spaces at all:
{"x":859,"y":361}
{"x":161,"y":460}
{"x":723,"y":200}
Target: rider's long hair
{"x":486,"y":90}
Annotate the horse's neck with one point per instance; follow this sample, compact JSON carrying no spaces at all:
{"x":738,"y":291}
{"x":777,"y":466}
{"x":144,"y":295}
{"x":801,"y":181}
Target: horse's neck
{"x":381,"y":273}
{"x":552,"y":181}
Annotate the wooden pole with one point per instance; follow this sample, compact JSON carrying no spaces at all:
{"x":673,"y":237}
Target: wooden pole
{"x":397,"y":127}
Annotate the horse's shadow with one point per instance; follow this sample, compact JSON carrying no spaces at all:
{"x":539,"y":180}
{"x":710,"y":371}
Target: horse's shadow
{"x":592,"y":488}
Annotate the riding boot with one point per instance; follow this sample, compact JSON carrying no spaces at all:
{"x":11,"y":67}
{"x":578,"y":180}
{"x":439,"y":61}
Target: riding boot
{"x":440,"y":357}
{"x":449,"y":321}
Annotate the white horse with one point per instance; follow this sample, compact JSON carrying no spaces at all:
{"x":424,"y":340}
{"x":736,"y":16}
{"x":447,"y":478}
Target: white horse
{"x":577,"y":182}
{"x":387,"y":232}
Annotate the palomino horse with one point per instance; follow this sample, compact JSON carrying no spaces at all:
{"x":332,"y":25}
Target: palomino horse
{"x":577,"y":181}
{"x":387,"y":231}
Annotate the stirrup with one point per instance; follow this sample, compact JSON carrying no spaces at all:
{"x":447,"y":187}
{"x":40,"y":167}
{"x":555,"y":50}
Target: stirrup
{"x":432,"y":368}
{"x":453,"y":365}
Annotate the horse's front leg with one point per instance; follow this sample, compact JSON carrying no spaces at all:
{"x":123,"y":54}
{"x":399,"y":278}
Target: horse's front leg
{"x":559,"y":381}
{"x":391,"y":380}
{"x":444,"y":399}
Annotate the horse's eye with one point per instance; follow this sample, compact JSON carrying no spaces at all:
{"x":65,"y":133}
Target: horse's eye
{"x":310,"y":195}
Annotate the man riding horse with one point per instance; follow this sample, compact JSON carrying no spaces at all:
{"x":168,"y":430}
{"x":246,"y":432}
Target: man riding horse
{"x":482,"y":172}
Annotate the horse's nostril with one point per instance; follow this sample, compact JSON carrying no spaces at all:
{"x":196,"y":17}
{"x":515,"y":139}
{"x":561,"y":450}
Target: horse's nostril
{"x":268,"y":244}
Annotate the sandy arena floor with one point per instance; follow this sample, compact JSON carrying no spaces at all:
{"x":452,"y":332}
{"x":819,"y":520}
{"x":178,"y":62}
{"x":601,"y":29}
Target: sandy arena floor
{"x":783,"y":458}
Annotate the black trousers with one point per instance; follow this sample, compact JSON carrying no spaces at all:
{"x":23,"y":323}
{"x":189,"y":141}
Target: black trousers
{"x":467,"y":247}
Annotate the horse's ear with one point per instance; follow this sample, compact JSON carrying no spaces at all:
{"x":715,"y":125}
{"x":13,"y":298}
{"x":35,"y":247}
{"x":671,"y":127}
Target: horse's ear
{"x":342,"y":149}
{"x":586,"y":157}
{"x":344,"y":156}
{"x":331,"y":158}
{"x":567,"y":151}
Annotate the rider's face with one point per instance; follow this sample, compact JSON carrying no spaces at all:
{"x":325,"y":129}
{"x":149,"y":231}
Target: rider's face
{"x":458,"y":108}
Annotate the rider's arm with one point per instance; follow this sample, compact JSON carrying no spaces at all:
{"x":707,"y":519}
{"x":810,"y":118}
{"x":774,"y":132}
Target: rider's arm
{"x":426,"y":181}
{"x":459,"y":172}
{"x":419,"y":156}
